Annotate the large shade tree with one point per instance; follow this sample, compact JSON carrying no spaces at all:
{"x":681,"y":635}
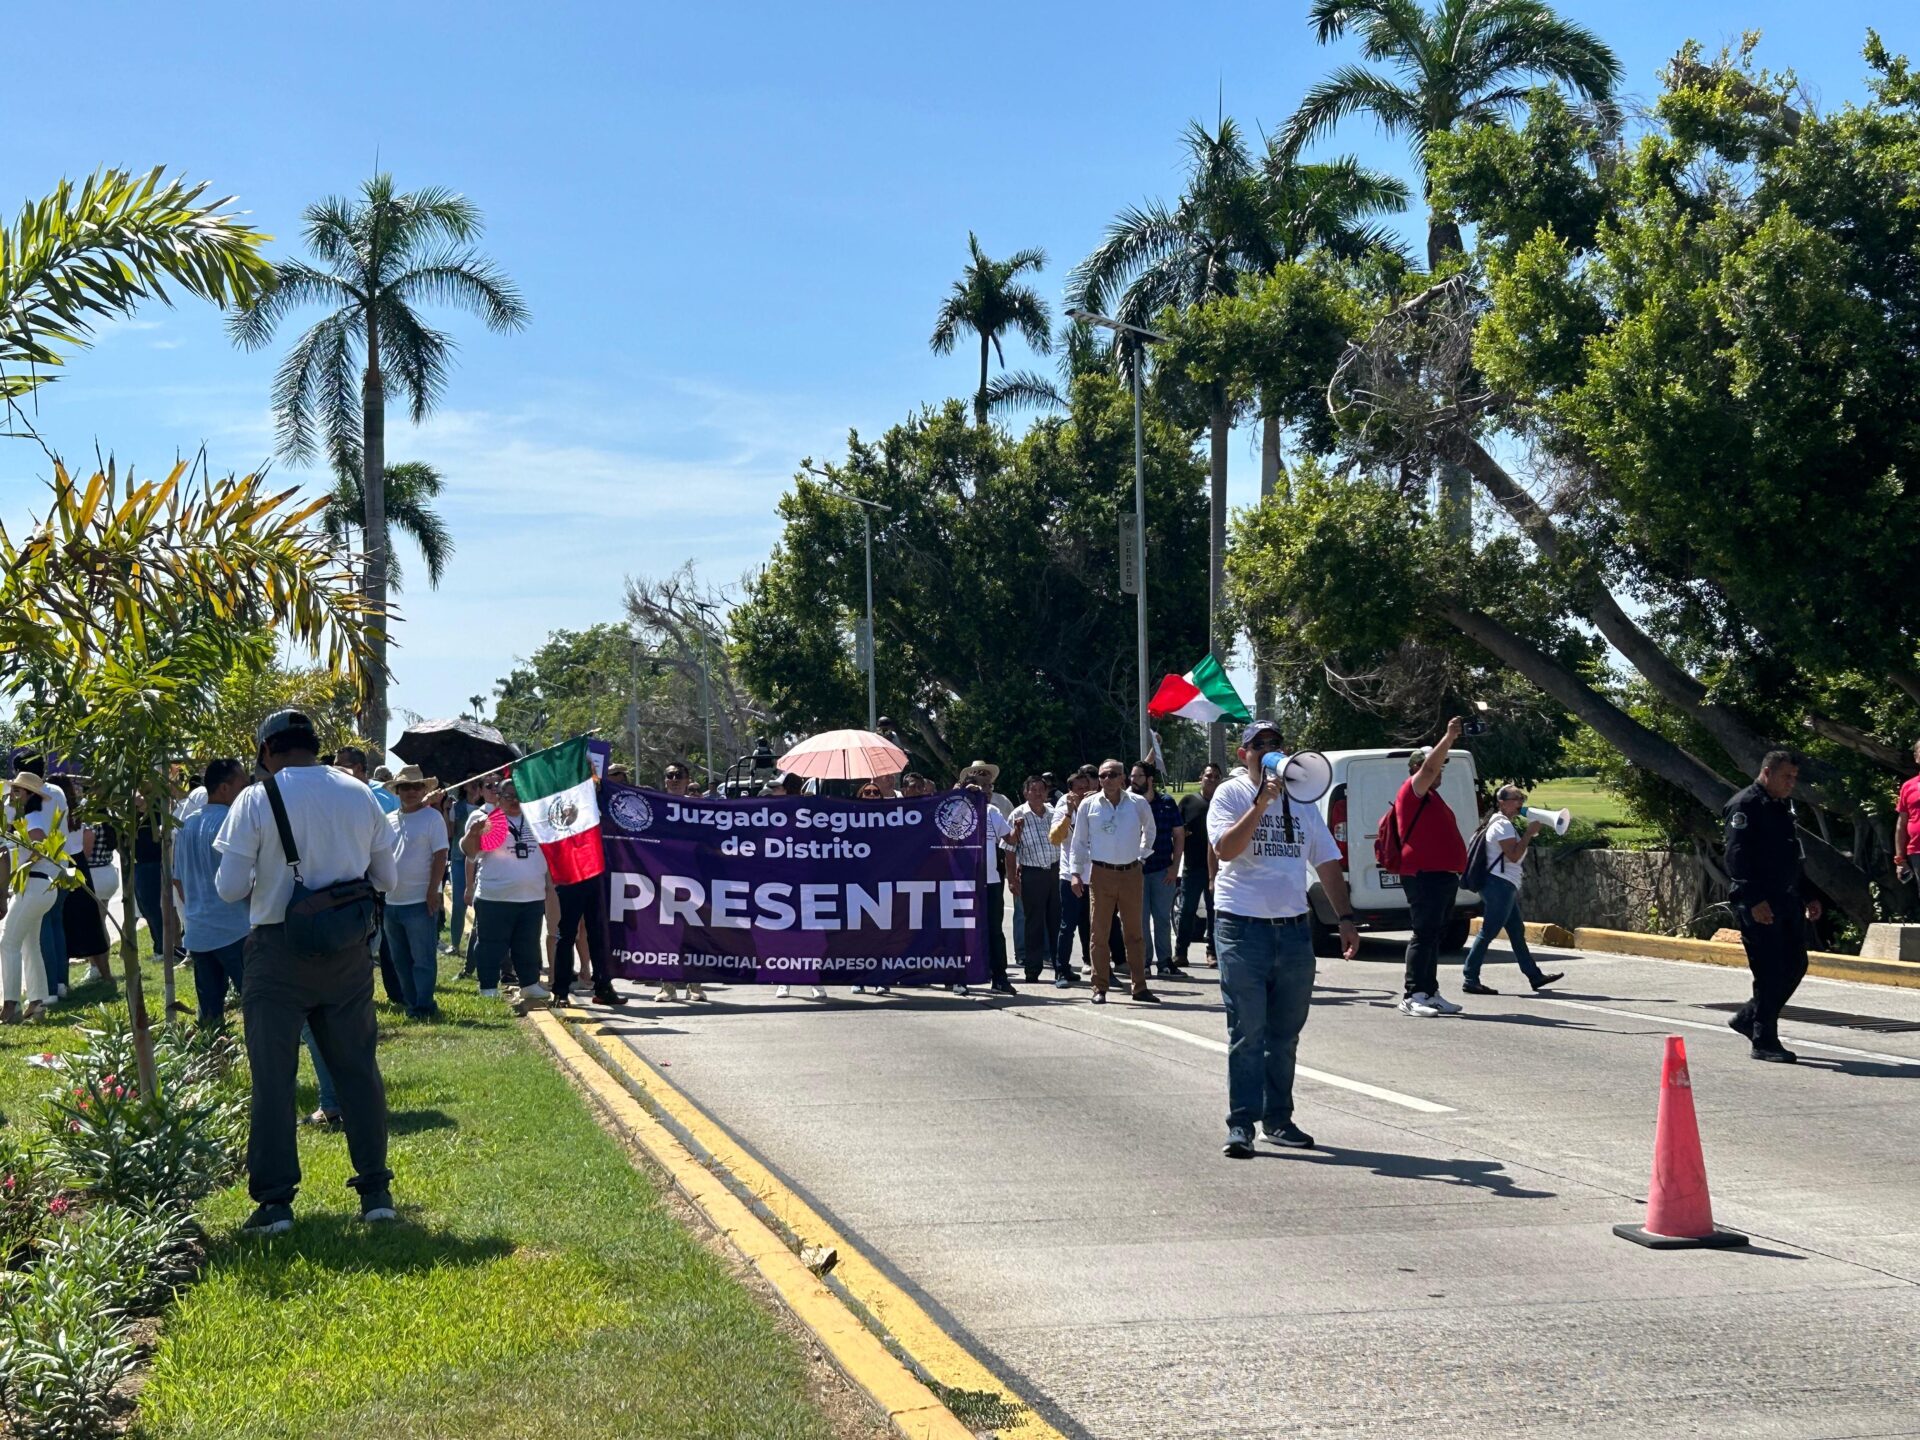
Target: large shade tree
{"x":380,"y":257}
{"x":988,"y":300}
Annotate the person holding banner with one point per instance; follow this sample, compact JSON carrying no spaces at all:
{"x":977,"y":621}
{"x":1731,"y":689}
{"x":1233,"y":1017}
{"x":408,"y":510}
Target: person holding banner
{"x":977,"y":779}
{"x":1111,"y":840}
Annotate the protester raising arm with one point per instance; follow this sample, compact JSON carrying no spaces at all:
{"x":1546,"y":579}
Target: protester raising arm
{"x":1428,"y":775}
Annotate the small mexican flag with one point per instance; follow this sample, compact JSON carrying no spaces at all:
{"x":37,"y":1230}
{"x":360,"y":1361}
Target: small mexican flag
{"x":1204,"y":694}
{"x":556,"y":792}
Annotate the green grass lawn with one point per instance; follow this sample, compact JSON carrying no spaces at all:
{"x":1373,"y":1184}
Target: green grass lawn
{"x":1590,"y":801}
{"x":535,"y":1286}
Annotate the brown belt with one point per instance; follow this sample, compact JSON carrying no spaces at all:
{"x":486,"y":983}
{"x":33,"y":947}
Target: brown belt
{"x":1130,"y":865}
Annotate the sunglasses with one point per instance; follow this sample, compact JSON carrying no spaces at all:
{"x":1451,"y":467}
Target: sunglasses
{"x":676,"y":774}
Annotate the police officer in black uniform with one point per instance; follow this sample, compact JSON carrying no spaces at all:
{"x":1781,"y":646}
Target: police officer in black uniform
{"x":1763,"y":861}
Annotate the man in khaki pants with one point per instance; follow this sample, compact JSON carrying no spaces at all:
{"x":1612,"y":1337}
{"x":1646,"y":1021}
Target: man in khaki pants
{"x":1113,"y":835}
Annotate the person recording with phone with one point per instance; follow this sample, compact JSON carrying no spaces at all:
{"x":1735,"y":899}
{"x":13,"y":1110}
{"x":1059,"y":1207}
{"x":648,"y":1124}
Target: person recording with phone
{"x":1432,"y":857}
{"x":1270,"y":849}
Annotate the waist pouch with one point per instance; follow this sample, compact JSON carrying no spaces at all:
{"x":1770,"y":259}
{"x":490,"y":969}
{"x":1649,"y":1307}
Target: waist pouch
{"x":330,"y":918}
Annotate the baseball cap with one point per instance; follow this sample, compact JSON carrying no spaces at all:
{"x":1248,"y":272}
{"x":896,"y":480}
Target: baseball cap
{"x":280,"y":723}
{"x":1259,"y":727}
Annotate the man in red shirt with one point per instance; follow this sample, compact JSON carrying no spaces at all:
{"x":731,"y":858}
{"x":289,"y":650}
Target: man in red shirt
{"x":1433,"y":856}
{"x":1906,"y":823}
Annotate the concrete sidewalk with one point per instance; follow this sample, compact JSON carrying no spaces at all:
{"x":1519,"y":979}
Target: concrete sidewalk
{"x":1046,"y":1176}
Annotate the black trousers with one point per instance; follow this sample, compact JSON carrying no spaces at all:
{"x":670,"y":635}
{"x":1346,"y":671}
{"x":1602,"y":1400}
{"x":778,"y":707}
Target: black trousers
{"x":1188,"y":924}
{"x":996,"y":894}
{"x":1040,"y":906}
{"x":282,"y":991}
{"x":1429,"y":907}
{"x":584,"y":900}
{"x":1777,"y":956}
{"x":389,"y":977}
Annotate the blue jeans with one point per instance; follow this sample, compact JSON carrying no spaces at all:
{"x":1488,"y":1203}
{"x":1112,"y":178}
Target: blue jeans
{"x":1500,"y":910}
{"x":1266,"y":980}
{"x":507,"y":936}
{"x":213,"y":971}
{"x":1157,"y":891}
{"x":457,"y":880}
{"x":410,"y":941}
{"x":53,"y":943}
{"x":323,"y":1081}
{"x":146,"y":898}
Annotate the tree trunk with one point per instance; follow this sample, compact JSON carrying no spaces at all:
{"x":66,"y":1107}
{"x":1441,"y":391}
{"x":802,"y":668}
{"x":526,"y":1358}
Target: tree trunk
{"x":1217,"y":425}
{"x":1272,"y":478}
{"x":1456,"y":489}
{"x":130,"y":974}
{"x":373,"y":488}
{"x":980,"y":395}
{"x":1830,"y":870}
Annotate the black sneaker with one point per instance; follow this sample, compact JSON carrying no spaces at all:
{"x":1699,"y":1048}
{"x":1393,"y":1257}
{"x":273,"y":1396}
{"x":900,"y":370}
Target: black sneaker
{"x":1145,"y":997}
{"x":1741,"y":1023}
{"x":609,"y":997}
{"x":376,"y":1206}
{"x":1774,"y":1053}
{"x":1551,"y":978}
{"x":1099,"y":997}
{"x":1239,"y":1145}
{"x":1289,"y":1134}
{"x":1474,"y":987}
{"x":269,"y":1220}
{"x":1003,"y":987}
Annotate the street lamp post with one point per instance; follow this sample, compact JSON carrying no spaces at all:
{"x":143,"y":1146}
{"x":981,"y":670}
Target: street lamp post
{"x":866,"y":534}
{"x":1141,"y":339}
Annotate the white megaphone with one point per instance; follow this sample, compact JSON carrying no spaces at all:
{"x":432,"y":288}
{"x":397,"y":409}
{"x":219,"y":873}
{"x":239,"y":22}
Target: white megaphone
{"x":1555,"y":820}
{"x":1305,"y":776}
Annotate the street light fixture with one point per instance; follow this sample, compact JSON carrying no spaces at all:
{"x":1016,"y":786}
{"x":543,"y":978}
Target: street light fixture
{"x":866,"y":534}
{"x":1140,"y":339}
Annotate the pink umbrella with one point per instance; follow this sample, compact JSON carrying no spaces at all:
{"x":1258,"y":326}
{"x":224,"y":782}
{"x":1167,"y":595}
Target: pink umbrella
{"x":845,"y":755}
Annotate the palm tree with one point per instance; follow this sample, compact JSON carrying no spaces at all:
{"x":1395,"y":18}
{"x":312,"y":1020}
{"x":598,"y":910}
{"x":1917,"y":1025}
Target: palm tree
{"x":381,"y":255}
{"x":987,"y":301}
{"x":411,"y":486}
{"x":1463,"y":61}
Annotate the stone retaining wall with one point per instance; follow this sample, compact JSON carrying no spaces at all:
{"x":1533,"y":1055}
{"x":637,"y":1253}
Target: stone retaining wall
{"x":1656,"y":891}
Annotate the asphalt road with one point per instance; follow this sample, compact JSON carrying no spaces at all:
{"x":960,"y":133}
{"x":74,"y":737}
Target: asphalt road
{"x":1046,"y":1177}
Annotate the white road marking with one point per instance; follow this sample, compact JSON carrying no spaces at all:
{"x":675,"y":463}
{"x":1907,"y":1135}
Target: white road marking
{"x":1722,"y":1028}
{"x":1359,"y":1087}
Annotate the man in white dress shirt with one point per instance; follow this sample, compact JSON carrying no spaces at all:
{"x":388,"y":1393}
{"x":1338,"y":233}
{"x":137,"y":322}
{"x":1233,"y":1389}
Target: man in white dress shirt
{"x":1112,"y":836}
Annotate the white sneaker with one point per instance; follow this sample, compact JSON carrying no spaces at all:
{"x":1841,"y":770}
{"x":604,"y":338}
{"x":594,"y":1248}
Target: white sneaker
{"x":814,"y":992}
{"x":666,"y":992}
{"x":493,"y":994}
{"x":694,"y":992}
{"x":1421,"y":1005}
{"x":781,"y":992}
{"x":535,"y":991}
{"x":1444,"y":1005}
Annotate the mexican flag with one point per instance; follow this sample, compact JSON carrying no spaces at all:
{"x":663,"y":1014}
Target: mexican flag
{"x":556,"y":792}
{"x":1204,"y":694}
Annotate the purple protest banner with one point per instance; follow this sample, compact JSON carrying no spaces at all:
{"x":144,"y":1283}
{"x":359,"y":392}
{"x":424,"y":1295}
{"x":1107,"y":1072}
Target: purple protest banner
{"x":795,"y":889}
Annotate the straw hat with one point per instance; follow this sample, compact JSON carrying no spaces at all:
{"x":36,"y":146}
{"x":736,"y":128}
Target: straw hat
{"x":410,"y":775}
{"x":992,"y":772}
{"x":31,"y":783}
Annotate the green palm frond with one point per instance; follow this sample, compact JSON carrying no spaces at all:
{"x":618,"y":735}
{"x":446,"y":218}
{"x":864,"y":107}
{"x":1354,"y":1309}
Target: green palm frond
{"x":412,"y":486}
{"x":91,"y":252}
{"x":1023,"y":389}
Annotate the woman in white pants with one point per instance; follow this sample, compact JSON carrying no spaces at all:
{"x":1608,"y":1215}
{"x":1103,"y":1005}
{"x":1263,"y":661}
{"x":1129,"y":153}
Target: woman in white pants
{"x":23,"y":973}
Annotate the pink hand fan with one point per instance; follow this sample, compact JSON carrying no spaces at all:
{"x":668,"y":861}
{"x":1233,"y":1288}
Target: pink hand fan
{"x":495,"y":835}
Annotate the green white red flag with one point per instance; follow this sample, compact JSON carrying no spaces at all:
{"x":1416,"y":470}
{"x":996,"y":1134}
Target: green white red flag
{"x":1204,"y":694}
{"x":557,"y":795}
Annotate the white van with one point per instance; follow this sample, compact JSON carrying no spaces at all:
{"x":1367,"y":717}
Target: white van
{"x":1364,"y":784}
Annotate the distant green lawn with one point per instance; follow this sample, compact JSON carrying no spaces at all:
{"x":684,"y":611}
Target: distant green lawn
{"x":1591,"y":802}
{"x":536,"y":1286}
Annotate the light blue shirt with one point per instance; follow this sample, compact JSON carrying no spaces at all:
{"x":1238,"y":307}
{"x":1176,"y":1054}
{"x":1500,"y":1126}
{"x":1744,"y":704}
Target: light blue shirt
{"x":389,"y":801}
{"x":211,"y":923}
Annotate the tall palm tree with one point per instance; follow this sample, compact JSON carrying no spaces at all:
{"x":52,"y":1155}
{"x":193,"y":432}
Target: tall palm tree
{"x":412,"y":486}
{"x":988,"y":300}
{"x":1464,"y":60}
{"x":381,"y":255}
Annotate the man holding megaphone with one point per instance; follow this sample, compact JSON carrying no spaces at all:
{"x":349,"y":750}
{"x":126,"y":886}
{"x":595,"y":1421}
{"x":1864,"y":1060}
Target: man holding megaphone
{"x":1269,"y":849}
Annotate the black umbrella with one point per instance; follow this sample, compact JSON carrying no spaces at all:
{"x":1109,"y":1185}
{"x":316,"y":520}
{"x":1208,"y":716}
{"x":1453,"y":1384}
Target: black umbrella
{"x":453,"y":750}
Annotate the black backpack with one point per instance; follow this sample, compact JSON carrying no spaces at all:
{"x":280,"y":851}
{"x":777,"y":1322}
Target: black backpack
{"x":1478,"y":869}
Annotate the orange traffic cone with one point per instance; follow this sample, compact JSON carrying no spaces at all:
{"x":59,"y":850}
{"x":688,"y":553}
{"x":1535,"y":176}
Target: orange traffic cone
{"x":1679,"y":1213}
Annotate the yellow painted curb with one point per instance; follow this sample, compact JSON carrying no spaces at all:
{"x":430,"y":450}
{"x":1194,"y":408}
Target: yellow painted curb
{"x":916,"y":1412}
{"x":1538,"y":932}
{"x":936,"y":1352}
{"x":1902,"y":973}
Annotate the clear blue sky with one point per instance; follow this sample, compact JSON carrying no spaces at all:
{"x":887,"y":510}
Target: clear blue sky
{"x":733,"y":225}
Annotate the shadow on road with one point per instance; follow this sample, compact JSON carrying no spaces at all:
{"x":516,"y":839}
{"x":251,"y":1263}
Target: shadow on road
{"x":1872,"y":1069}
{"x":1549,"y":1022}
{"x":1488,"y":1175}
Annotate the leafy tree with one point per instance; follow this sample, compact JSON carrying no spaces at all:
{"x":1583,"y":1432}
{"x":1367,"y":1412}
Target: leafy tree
{"x":1001,"y":627}
{"x":93,"y":252}
{"x":988,"y":300}
{"x":381,"y":256}
{"x":412,"y":486}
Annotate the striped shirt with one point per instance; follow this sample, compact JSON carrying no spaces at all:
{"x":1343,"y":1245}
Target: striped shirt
{"x":1036,"y":851}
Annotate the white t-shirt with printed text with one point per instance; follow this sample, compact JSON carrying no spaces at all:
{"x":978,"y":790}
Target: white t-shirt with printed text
{"x":1268,"y":880}
{"x":505,"y":874}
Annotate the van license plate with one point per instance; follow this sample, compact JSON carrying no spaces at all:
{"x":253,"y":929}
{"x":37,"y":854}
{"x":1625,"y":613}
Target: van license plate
{"x":1389,"y":881}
